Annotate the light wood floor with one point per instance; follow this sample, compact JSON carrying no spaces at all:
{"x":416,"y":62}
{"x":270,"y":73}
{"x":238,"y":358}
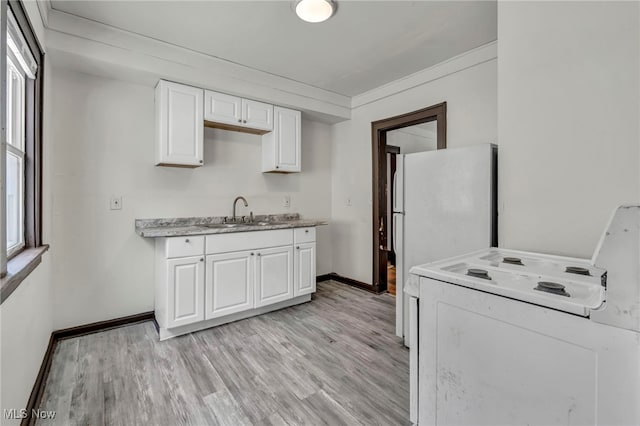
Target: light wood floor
{"x":334,"y":360}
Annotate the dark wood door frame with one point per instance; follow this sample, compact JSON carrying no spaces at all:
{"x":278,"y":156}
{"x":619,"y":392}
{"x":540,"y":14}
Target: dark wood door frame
{"x":379,"y":131}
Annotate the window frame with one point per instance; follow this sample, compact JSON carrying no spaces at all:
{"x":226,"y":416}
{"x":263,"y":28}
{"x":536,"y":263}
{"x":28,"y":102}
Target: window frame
{"x":18,"y":151}
{"x":22,"y":262}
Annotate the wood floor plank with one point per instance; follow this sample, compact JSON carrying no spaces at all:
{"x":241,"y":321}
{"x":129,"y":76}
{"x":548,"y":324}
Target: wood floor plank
{"x":60,"y":383}
{"x":330,"y":410}
{"x":88,"y":390}
{"x":274,"y":420}
{"x":335,"y":360}
{"x":225,"y":408}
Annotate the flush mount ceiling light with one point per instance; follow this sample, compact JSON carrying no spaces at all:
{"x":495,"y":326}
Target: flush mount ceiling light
{"x":314,"y":10}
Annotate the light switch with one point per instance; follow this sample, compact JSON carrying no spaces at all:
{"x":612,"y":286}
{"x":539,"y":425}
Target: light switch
{"x":286,"y":202}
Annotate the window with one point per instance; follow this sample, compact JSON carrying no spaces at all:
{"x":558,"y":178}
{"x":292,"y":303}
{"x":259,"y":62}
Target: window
{"x":16,"y":77}
{"x":20,"y":163}
{"x":21,"y":70}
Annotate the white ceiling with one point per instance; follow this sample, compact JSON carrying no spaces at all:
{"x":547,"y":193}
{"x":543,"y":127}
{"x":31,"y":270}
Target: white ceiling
{"x":363,"y":46}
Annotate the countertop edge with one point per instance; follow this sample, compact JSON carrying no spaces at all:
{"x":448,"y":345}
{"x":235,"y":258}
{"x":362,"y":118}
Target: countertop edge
{"x":201,"y":230}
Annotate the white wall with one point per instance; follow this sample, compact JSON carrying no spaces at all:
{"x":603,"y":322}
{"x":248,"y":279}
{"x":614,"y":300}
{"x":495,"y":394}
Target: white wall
{"x":26,"y":322}
{"x":568,"y":82}
{"x":102,"y":144}
{"x":471,"y":96}
{"x":413,"y":139}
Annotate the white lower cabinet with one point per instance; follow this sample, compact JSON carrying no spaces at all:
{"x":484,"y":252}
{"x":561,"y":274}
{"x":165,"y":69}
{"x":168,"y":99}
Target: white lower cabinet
{"x":229,"y":283}
{"x":304,"y":266}
{"x":206,"y":281}
{"x":274,"y":275}
{"x":185,"y":282}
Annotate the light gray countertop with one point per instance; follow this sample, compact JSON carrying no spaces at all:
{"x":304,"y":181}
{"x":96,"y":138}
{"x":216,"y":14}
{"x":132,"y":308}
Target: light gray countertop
{"x":176,"y":227}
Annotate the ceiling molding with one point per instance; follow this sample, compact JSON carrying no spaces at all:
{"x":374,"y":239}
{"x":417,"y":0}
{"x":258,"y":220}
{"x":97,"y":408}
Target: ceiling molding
{"x":152,"y":59}
{"x":94,"y":47}
{"x":44,"y":7}
{"x":477,"y":56}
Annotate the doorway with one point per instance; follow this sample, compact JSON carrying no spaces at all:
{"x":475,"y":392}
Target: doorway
{"x":383,"y":143}
{"x":392,"y":161}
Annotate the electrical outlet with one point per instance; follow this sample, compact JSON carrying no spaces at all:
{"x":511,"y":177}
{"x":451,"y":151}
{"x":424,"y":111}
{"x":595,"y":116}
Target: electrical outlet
{"x":286,"y":202}
{"x":116,"y":203}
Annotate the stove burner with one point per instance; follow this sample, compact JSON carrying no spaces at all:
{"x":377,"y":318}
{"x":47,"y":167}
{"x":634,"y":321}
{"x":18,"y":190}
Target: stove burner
{"x":577,"y":270}
{"x":478,"y":273}
{"x":513,"y":260}
{"x":551,"y":287}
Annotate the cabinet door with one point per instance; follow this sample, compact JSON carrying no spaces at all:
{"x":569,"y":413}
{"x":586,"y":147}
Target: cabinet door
{"x":304,"y":269}
{"x":229,"y":283}
{"x":222,"y":108}
{"x":179,"y":125}
{"x":274,"y":275}
{"x":288,"y":139}
{"x":257,"y":115}
{"x":185,"y":284}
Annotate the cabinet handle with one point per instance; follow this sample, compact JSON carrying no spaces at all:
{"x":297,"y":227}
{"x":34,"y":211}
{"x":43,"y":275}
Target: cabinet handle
{"x":202,"y":259}
{"x":239,"y":120}
{"x":306,"y":231}
{"x":277,"y":167}
{"x":200,"y":161}
{"x":259,"y":254}
{"x":244,"y":121}
{"x":186,"y":240}
{"x":252,"y":254}
{"x":298,"y":248}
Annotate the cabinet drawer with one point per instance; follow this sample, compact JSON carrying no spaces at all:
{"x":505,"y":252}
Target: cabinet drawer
{"x":184,"y":246}
{"x":224,"y":243}
{"x":304,"y":235}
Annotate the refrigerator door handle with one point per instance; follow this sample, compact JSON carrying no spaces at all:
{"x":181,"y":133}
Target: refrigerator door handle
{"x":394,"y":231}
{"x":395,"y":191}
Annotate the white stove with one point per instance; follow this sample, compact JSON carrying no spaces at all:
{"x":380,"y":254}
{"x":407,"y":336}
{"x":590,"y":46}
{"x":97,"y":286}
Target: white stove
{"x":510,"y":337}
{"x":566,"y":284}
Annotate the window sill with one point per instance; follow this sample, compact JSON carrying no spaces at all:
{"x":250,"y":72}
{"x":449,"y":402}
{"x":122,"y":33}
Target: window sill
{"x":19,"y":268}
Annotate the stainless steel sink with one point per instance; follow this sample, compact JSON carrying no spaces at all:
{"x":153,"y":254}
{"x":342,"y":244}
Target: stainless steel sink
{"x":234,"y":225}
{"x":223,"y":225}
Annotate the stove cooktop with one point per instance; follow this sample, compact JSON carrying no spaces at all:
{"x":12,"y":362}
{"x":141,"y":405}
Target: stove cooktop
{"x":563,"y":283}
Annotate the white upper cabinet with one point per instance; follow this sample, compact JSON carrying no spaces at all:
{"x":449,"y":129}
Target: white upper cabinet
{"x":183,"y":111}
{"x":257,"y":115}
{"x":281,"y":149}
{"x":237,"y":112}
{"x":222,"y":108}
{"x":179,"y":125}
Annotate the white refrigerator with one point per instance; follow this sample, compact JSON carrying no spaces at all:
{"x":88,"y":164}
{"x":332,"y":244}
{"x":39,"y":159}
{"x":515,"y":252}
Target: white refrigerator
{"x":444,"y":205}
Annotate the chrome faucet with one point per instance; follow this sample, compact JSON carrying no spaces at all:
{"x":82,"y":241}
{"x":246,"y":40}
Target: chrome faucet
{"x":235,"y":202}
